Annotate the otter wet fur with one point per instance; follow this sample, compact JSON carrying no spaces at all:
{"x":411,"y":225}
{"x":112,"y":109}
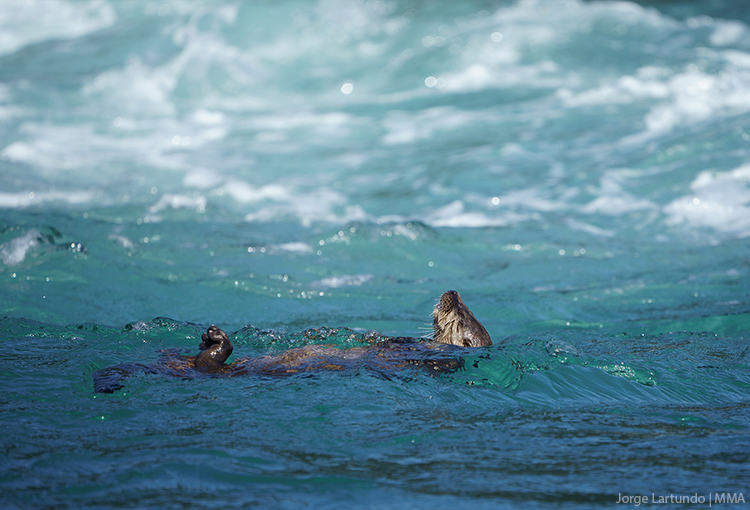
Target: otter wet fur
{"x":454,"y":328}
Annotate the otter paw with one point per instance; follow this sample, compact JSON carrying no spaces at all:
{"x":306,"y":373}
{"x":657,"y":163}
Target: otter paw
{"x":213,"y":336}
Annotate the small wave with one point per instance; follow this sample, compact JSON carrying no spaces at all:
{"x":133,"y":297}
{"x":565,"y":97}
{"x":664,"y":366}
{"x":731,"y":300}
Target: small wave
{"x":173,"y":201}
{"x":721,"y":201}
{"x":202,"y":178}
{"x":14,"y":252}
{"x":728,"y":32}
{"x":688,"y":97}
{"x":296,"y":247}
{"x":335,"y":282}
{"x":409,"y":127}
{"x":33,"y":21}
{"x":243,"y":192}
{"x":122,"y":241}
{"x":314,"y":206}
{"x":26,"y":199}
{"x":697,"y":96}
{"x":454,"y":215}
{"x":588,"y":228}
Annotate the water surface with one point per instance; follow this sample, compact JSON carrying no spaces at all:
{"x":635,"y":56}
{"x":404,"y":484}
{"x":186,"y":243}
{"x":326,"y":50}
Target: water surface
{"x":578,"y":171}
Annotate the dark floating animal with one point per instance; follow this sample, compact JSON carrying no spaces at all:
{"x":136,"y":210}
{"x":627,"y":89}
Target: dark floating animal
{"x":454,"y":328}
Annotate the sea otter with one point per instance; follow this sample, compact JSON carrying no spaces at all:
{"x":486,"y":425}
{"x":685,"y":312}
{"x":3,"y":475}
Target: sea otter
{"x":454,"y":327}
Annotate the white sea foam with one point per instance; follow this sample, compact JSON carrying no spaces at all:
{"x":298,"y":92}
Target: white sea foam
{"x":455,"y":215}
{"x":245,"y":193}
{"x":296,"y":247}
{"x":335,"y":282}
{"x":728,"y":32}
{"x":333,"y":122}
{"x":721,"y":201}
{"x":273,"y":201}
{"x":495,"y":57}
{"x":739,"y":59}
{"x":626,"y":90}
{"x":141,"y":89}
{"x":32,"y":21}
{"x":201,"y":122}
{"x":137,"y":88}
{"x":208,"y":117}
{"x":696,"y":96}
{"x":318,"y":205}
{"x":58,"y":152}
{"x":353,"y":160}
{"x":683,"y":98}
{"x":677,"y":97}
{"x":617,"y":204}
{"x":23,"y":199}
{"x":527,"y":199}
{"x":478,"y":76}
{"x":14,"y":251}
{"x":7,"y":109}
{"x":122,"y":240}
{"x":54,"y":148}
{"x":202,"y":178}
{"x":509,"y":209}
{"x":357,"y":24}
{"x":612,"y":199}
{"x":169,"y":200}
{"x":588,"y":228}
{"x":408,"y":127}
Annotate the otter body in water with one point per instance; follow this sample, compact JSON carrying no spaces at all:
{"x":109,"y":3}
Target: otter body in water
{"x":454,"y":326}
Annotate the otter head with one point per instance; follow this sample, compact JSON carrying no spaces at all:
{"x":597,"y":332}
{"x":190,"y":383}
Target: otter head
{"x":216,"y":348}
{"x":454,"y":323}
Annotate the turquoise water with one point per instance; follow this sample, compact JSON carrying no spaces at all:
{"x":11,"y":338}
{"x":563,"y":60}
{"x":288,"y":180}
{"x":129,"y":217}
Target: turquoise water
{"x":578,"y":171}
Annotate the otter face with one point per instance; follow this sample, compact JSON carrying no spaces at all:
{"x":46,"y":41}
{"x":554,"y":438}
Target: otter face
{"x":454,"y":323}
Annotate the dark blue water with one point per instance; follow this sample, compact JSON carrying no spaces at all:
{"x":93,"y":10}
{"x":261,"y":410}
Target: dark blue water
{"x":578,"y":171}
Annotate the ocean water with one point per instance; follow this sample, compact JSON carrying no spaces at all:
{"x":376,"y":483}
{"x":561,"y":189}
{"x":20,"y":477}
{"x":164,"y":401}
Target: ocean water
{"x":578,"y":171}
